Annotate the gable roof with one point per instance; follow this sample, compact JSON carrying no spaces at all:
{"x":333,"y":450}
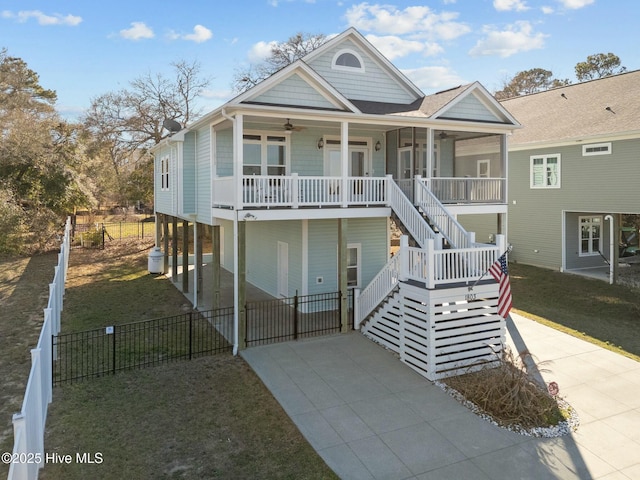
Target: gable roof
{"x":595,"y":109}
{"x":357,"y":38}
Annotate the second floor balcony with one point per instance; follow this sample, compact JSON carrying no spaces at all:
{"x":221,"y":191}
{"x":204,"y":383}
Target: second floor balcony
{"x":297,"y":191}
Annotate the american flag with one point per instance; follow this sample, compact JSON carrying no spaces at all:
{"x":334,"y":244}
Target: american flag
{"x":499,"y":271}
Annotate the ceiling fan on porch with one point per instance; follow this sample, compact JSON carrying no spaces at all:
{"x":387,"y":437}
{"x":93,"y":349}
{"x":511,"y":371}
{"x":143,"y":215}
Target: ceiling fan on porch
{"x":444,"y":135}
{"x":288,"y":127}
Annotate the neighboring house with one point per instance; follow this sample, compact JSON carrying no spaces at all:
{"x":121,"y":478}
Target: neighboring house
{"x":298,"y":179}
{"x":574,"y":168}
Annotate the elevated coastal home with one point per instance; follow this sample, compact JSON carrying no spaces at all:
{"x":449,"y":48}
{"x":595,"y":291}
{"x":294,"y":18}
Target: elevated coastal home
{"x":299,"y":177}
{"x":574,"y":169}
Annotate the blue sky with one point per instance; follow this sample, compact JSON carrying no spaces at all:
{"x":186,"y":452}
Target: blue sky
{"x":83,"y":48}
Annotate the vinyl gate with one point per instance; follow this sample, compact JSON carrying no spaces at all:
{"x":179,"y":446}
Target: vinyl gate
{"x":105,"y":351}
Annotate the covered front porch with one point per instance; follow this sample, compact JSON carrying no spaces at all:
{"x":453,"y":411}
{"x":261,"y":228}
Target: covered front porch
{"x":267,"y":161}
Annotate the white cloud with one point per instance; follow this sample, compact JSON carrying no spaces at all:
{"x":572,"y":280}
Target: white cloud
{"x":260,"y":51}
{"x":575,"y":4}
{"x":392,"y":46}
{"x":388,"y":19}
{"x":547,"y":10}
{"x":433,"y":78}
{"x":518,"y":37}
{"x":507,"y":5}
{"x":43,"y":19}
{"x":137,"y":31}
{"x":200,"y":34}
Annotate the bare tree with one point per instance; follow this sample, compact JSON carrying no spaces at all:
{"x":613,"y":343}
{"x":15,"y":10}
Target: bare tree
{"x":598,"y":66}
{"x":281,"y":55}
{"x":124,"y":124}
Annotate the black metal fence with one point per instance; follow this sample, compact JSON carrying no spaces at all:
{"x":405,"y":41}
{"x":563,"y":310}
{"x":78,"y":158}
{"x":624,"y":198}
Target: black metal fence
{"x":105,"y":351}
{"x":295,"y":317}
{"x":95,"y":235}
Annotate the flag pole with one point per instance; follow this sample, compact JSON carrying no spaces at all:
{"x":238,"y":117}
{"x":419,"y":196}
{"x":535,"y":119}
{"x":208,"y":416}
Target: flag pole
{"x":508,"y":250}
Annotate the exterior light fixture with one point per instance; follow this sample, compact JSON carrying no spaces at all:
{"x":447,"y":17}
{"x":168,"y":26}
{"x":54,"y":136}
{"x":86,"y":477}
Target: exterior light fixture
{"x":378,"y":146}
{"x":320,"y":143}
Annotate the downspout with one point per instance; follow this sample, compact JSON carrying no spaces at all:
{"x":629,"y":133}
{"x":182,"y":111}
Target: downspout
{"x":236,"y":306}
{"x":612,"y":259}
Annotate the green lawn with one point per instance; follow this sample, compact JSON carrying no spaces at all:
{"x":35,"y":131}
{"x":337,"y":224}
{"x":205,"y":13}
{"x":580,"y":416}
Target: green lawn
{"x":206,"y":418}
{"x":589,"y":308}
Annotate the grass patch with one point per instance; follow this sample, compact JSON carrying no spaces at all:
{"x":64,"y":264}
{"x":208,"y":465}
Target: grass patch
{"x":593,"y":310}
{"x":210,"y":417}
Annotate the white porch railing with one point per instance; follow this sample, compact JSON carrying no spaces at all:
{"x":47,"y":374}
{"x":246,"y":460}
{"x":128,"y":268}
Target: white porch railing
{"x":28,"y":425}
{"x":430,"y":266}
{"x":467,"y":189}
{"x":296,"y":191}
{"x":447,"y":225}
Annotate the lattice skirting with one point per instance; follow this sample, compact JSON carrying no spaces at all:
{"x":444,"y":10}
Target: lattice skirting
{"x":442,"y":332}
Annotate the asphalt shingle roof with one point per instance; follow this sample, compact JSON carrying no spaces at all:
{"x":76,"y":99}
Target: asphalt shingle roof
{"x":607,"y":106}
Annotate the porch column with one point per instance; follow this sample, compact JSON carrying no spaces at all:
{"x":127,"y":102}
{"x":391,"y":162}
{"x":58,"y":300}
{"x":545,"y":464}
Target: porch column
{"x":238,"y":158}
{"x":198,"y":237}
{"x":342,"y":274}
{"x":185,"y":256}
{"x":174,"y":249}
{"x":344,"y":157}
{"x":430,"y":144}
{"x":239,"y":276}
{"x":165,"y":229}
{"x":504,"y":154}
{"x":215,"y":264}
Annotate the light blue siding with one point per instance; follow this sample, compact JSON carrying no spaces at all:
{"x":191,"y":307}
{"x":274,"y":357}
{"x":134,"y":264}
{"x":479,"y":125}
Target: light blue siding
{"x":374,"y":84}
{"x":371,"y":233}
{"x":470,"y":108}
{"x":163,"y":198}
{"x":203,"y":172}
{"x":188,"y":187}
{"x":294,"y":91}
{"x":224,"y":153}
{"x":262,"y":254}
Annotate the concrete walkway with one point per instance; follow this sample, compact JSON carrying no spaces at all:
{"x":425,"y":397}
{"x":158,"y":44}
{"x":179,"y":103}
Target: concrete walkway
{"x":371,"y":417}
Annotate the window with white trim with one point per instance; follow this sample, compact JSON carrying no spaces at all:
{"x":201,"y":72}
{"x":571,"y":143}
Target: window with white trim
{"x":347,"y":60}
{"x":596,"y":149}
{"x":164,"y":173}
{"x":545,"y":171}
{"x":265,"y":154}
{"x":590,"y":232}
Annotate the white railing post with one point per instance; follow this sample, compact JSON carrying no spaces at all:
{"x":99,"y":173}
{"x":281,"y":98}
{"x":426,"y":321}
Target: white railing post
{"x":404,"y":258}
{"x":501,"y":243}
{"x":295,"y":190}
{"x":39,"y":403}
{"x":388,"y":185}
{"x":19,"y":470}
{"x":430,"y":281}
{"x":416,"y":190}
{"x":356,"y":309}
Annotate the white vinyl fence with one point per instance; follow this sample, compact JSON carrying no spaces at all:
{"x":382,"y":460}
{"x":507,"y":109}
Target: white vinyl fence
{"x":28,"y":454}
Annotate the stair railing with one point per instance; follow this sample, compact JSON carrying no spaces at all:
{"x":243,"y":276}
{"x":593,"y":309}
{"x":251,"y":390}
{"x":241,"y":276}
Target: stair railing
{"x":446,"y":224}
{"x":377,"y":290}
{"x":415,"y":223}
